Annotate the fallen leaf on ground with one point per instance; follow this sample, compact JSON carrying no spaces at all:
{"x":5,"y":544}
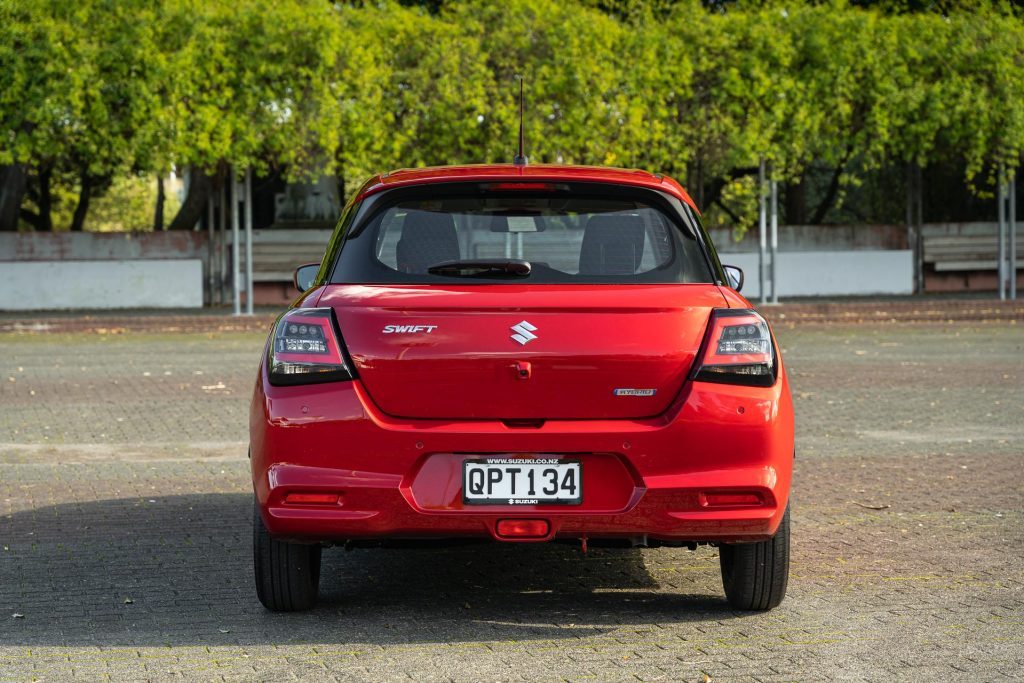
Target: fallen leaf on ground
{"x":871,"y":507}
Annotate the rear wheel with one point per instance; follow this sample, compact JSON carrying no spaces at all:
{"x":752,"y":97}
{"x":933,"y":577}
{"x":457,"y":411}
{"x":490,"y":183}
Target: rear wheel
{"x":755,"y":574}
{"x":287,"y":574}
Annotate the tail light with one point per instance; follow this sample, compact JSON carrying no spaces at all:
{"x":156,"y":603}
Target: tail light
{"x":306,"y":349}
{"x":738,"y":350}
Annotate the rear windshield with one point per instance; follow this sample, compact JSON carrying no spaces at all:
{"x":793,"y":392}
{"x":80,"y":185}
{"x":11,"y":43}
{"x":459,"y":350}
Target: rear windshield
{"x":565,"y":239}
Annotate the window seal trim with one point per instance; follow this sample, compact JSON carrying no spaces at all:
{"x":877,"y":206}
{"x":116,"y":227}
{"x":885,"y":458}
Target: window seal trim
{"x":362,"y":213}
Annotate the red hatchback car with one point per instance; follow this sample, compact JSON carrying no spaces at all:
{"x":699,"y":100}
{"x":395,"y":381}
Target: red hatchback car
{"x":523,"y":354}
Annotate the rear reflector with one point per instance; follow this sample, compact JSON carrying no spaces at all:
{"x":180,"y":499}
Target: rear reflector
{"x":730,"y":499}
{"x":523,"y":528}
{"x":311,"y":499}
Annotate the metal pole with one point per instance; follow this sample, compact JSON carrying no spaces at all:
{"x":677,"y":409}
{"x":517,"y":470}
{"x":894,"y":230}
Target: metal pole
{"x":762,"y":229}
{"x":919,"y":229}
{"x":774,"y":242}
{"x":222,"y":252}
{"x":209,"y":249}
{"x":248,"y":241}
{"x":1012,"y":225}
{"x":1001,"y":257}
{"x":910,"y":222}
{"x":236,"y":285}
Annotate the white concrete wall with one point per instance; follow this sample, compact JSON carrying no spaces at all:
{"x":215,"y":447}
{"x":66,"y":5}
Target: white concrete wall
{"x":55,"y":285}
{"x":824,"y":273}
{"x":178,"y":283}
{"x":101,"y":246}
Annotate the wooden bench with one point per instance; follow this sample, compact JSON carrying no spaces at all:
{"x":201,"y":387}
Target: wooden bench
{"x":965,"y":252}
{"x":277,"y":253}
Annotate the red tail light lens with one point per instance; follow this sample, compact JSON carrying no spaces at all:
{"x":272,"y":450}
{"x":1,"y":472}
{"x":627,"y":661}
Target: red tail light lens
{"x":306,"y":348}
{"x":738,"y":350}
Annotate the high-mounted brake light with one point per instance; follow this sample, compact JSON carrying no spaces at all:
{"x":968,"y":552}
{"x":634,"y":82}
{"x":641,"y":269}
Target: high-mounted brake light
{"x":526,"y":186}
{"x":738,"y":350}
{"x":306,"y":349}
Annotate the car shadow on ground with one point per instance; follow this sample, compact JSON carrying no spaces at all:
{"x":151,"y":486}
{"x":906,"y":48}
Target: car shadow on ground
{"x":177,"y":570}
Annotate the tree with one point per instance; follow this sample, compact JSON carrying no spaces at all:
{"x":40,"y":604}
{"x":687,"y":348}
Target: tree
{"x":252,"y":88}
{"x":99,"y":91}
{"x":568,"y":56}
{"x":39,"y":98}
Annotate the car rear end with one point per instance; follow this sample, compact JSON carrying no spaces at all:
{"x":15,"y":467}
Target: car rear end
{"x":520,"y":359}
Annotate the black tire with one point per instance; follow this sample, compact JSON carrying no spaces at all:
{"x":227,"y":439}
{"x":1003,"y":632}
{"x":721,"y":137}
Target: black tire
{"x":287,"y":574}
{"x":755,"y":574}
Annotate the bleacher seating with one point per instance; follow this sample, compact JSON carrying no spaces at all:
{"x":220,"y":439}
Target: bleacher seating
{"x":277,"y":253}
{"x":964,"y":252}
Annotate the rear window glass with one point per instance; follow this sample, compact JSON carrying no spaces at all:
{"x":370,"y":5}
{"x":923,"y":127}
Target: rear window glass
{"x":565,"y":239}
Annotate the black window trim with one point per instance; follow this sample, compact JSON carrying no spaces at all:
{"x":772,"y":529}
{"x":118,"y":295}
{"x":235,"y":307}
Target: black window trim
{"x":362,"y":213}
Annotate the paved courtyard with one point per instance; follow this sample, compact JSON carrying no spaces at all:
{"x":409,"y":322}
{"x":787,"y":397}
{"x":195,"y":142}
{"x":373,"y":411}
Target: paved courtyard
{"x":125,"y":534}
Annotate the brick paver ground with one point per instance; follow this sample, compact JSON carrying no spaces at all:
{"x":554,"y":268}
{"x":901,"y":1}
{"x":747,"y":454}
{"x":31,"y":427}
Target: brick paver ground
{"x":125,"y":531}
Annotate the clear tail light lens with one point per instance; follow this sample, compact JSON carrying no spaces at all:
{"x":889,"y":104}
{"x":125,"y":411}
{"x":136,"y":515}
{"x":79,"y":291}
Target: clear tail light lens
{"x":738,"y":350}
{"x":306,"y":349}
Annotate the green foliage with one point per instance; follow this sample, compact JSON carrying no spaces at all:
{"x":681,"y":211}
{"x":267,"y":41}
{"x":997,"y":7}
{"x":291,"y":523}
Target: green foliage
{"x":126,"y":206}
{"x":109,"y":89}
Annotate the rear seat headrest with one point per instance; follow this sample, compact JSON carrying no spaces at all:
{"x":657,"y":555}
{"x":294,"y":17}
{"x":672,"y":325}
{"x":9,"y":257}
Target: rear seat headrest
{"x":613,"y":244}
{"x":427,"y":238}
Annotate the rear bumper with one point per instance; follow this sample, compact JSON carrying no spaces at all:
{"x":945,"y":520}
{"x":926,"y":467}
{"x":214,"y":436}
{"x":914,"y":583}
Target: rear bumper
{"x":401,"y":479}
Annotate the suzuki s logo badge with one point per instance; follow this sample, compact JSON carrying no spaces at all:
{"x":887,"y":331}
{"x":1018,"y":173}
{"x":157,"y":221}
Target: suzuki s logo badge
{"x":523,"y":333}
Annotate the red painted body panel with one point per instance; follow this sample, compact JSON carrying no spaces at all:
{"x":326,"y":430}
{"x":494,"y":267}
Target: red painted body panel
{"x":643,"y":477}
{"x":391,"y":443}
{"x":533,"y":172}
{"x":630,"y":336}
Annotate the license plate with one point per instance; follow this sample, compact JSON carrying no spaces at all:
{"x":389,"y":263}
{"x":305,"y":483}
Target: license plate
{"x":522,"y":481}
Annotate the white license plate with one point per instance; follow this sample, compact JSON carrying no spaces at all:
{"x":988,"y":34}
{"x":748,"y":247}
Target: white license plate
{"x":522,"y":481}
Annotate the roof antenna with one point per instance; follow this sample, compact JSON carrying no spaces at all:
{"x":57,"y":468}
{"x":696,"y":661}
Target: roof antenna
{"x":520,"y":158}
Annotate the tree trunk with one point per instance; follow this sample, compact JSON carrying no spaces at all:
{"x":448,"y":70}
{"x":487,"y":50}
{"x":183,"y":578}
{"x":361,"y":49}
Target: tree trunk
{"x":43,"y":221}
{"x":833,"y":189}
{"x":158,"y":215}
{"x":199,"y":188}
{"x":700,"y":182}
{"x":796,"y":202}
{"x":82,"y":207}
{"x":12,"y":192}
